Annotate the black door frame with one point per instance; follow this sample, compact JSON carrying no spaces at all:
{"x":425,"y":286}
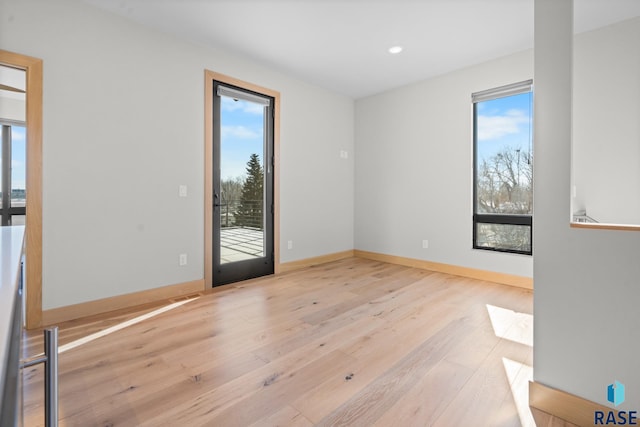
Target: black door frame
{"x":250,"y":268}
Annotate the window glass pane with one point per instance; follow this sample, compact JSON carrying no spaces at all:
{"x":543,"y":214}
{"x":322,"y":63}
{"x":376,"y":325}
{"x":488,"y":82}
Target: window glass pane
{"x":1,"y":163}
{"x":242,"y":169}
{"x":504,"y":236}
{"x":18,"y":219}
{"x":504,"y":155}
{"x":18,"y":167}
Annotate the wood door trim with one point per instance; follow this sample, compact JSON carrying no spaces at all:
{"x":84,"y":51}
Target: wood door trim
{"x":209,"y":77}
{"x":33,"y":238}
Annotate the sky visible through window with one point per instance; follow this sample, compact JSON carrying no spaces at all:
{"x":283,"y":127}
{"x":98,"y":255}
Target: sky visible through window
{"x":504,"y":123}
{"x":242,"y":133}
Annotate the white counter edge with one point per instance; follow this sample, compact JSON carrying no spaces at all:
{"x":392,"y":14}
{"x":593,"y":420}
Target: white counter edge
{"x":11,"y":244}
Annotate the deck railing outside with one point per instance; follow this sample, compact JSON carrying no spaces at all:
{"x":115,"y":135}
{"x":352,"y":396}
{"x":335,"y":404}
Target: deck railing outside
{"x":239,"y":213}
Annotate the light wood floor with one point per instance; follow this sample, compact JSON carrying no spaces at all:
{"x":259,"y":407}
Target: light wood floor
{"x":353,"y":343}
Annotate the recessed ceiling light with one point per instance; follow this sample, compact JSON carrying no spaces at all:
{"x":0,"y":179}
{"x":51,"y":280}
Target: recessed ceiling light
{"x":395,"y":49}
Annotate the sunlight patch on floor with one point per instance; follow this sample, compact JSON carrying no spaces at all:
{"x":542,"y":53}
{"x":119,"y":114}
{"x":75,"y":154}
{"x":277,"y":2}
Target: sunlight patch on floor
{"x":511,"y":325}
{"x":519,"y":376}
{"x":119,"y":326}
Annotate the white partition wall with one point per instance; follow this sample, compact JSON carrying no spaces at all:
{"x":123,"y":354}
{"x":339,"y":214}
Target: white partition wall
{"x":587,"y":285}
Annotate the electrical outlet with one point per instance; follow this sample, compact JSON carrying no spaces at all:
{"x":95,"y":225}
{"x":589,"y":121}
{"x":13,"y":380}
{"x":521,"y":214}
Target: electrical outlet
{"x":183,"y":260}
{"x":182,"y":191}
{"x":425,"y":244}
{"x":290,"y":244}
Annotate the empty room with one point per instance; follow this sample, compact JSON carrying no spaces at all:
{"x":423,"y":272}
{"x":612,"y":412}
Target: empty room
{"x":320,"y":213}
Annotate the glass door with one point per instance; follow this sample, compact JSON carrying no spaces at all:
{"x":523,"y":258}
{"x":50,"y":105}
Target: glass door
{"x":242,"y":184}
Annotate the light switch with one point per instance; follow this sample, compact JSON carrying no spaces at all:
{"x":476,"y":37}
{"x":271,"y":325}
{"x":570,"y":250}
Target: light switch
{"x":182,"y":191}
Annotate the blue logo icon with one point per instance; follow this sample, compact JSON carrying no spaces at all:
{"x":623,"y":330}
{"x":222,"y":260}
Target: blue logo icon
{"x":615,"y":393}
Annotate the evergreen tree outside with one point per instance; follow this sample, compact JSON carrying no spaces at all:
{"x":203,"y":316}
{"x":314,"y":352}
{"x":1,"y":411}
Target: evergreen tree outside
{"x":249,"y":213}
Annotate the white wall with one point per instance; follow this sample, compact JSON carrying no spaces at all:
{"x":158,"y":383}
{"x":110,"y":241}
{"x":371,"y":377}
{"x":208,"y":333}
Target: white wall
{"x":606,"y":131}
{"x":414,"y":163}
{"x":123,"y":128}
{"x":587,"y":282}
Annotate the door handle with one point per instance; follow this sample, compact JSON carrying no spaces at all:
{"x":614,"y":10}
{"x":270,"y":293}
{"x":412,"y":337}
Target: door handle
{"x":215,"y":199}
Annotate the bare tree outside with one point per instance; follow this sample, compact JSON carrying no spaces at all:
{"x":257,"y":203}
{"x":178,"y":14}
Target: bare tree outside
{"x":230,"y":193}
{"x":505,"y":183}
{"x":505,"y":186}
{"x":231,"y":188}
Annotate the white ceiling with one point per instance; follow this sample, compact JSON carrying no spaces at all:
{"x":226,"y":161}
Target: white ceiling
{"x":342,"y":45}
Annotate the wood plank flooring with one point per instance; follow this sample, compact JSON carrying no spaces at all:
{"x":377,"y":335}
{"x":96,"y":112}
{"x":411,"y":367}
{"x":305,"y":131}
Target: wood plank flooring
{"x":350,"y":343}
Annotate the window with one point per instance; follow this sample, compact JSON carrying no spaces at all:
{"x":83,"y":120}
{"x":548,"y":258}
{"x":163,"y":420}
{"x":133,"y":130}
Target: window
{"x":13,"y":148}
{"x":503,"y":168}
{"x":13,"y":174}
